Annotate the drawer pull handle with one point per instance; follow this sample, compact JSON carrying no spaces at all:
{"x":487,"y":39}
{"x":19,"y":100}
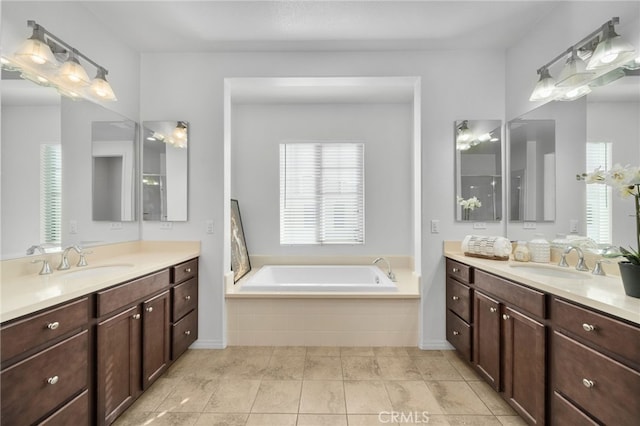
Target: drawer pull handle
{"x":187,"y":270}
{"x":505,"y":317}
{"x":455,"y":298}
{"x":455,"y":270}
{"x":588,"y":383}
{"x":136,"y":316}
{"x":53,"y":325}
{"x":188,"y":332}
{"x":187,"y":298}
{"x":493,"y":310}
{"x":52,"y":380}
{"x":150,"y":309}
{"x":456,"y":333}
{"x":588,"y":327}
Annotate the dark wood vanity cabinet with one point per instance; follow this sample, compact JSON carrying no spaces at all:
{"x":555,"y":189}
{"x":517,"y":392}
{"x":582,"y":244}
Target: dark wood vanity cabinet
{"x":459,"y":307}
{"x":184,"y":317}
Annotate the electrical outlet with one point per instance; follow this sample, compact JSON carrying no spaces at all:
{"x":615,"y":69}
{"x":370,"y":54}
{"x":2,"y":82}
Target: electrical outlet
{"x":73,"y":226}
{"x":479,"y":225}
{"x":573,"y":226}
{"x":435,"y":226}
{"x":114,"y":226}
{"x":166,"y":225}
{"x":209,"y":226}
{"x":529,"y":225}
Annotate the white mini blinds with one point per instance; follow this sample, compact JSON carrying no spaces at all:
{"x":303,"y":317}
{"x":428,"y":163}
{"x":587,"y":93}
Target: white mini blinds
{"x":321,"y":193}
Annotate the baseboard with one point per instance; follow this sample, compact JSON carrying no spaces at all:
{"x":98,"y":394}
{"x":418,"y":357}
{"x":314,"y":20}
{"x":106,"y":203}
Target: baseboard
{"x":433,"y":345}
{"x":208,"y":344}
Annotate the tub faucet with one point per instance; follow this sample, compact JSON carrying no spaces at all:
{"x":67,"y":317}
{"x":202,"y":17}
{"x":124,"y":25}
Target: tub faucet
{"x":390,"y":273}
{"x":64,"y":260}
{"x":580,"y":266}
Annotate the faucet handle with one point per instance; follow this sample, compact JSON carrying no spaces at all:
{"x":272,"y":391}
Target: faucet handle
{"x":597,"y":270}
{"x":581,"y":266}
{"x":46,"y":268}
{"x":83,"y":260}
{"x":563,"y":261}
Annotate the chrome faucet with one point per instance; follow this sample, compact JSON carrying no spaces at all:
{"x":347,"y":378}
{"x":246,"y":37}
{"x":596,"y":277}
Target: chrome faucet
{"x":46,"y":268}
{"x":580,"y":266}
{"x":31,"y":250}
{"x":390,"y":273}
{"x":64,"y":260}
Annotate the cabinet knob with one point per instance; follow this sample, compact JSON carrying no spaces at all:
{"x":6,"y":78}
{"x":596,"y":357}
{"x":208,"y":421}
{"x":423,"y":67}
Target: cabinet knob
{"x":505,"y":317}
{"x":187,"y":270}
{"x":455,"y":270}
{"x":149,"y":309}
{"x":188,"y":332}
{"x":588,"y":327}
{"x":136,"y":316}
{"x":588,"y":383}
{"x":53,"y":325}
{"x":455,"y":297}
{"x":187,"y":297}
{"x":493,"y":309}
{"x":456,"y":333}
{"x":52,"y":380}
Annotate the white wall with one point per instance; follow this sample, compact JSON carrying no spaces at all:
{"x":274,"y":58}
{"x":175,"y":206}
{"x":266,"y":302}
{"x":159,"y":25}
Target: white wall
{"x":385,"y":130}
{"x":24,"y":129}
{"x":190,"y":87}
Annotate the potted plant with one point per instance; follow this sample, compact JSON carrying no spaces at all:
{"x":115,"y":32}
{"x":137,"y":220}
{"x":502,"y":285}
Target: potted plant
{"x":468,"y":206}
{"x":626,"y":180}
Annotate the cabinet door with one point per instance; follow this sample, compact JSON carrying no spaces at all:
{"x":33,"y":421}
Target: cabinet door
{"x":486,"y":338}
{"x":155,"y":337}
{"x":524,"y":365}
{"x":118,"y":363}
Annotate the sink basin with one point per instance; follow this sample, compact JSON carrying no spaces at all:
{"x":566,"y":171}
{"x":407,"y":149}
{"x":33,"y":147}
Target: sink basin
{"x":97,"y":271}
{"x":552,"y":271}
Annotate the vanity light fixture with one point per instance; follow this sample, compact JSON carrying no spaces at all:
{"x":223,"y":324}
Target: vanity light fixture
{"x":47,"y":60}
{"x":596,"y":60}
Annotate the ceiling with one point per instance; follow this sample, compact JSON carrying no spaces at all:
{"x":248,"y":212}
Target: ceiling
{"x":199,"y":26}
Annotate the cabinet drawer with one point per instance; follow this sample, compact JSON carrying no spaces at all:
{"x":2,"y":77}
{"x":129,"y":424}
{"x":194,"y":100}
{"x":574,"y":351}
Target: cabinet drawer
{"x":616,"y":336}
{"x":185,"y":332}
{"x":599,"y":385}
{"x":459,"y":271}
{"x":565,"y":413}
{"x":23,"y":335}
{"x":459,"y":299}
{"x":184,"y":271}
{"x":459,"y":335}
{"x":125,"y":294}
{"x":517,"y":295}
{"x":75,"y":412}
{"x":185,"y":298}
{"x":39,"y":384}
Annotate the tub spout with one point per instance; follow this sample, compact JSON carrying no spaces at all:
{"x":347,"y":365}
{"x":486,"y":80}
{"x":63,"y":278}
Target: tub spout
{"x":390,"y":273}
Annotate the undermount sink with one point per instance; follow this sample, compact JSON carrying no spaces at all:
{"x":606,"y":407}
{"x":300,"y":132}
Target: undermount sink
{"x":97,"y":271}
{"x":552,"y":271}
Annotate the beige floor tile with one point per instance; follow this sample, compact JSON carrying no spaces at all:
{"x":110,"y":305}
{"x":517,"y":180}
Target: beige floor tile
{"x":356,"y":351}
{"x":251,"y":367}
{"x":465,"y":370}
{"x":457,"y":398}
{"x":511,"y":421}
{"x":323,"y":368}
{"x":261,"y":419}
{"x":437,"y":368}
{"x":233,"y":396}
{"x":361,"y":368}
{"x":401,"y":368}
{"x":412,"y":396}
{"x":290,"y":351}
{"x":284,"y":367}
{"x":492,"y":399}
{"x":153,"y":397}
{"x":157,"y":418}
{"x":245,"y":351}
{"x":395,"y":351}
{"x":322,"y":397}
{"x":323,"y":351}
{"x":322,"y":420}
{"x":190,"y":395}
{"x":277,"y":396}
{"x":472,"y":421}
{"x":416,"y":352}
{"x":366,"y":397}
{"x":368,"y":419}
{"x":213,"y":419}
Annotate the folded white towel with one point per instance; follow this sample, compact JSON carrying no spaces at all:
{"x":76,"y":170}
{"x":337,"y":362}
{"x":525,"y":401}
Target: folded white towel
{"x":486,"y":246}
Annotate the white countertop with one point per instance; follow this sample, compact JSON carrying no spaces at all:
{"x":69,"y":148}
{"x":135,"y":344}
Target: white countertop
{"x":23,"y":293}
{"x":605,"y":294}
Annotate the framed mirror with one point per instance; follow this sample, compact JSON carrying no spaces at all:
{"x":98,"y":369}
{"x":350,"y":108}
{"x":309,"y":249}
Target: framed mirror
{"x":165,"y":170}
{"x":478,"y":170}
{"x":113,"y":155}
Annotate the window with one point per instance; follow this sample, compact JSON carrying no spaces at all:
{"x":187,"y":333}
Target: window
{"x":322,"y":193}
{"x":599,"y":196}
{"x":50,"y":193}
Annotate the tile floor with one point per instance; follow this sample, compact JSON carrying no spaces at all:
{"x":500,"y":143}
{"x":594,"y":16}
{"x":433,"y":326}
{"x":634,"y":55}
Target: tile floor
{"x":319,"y":386}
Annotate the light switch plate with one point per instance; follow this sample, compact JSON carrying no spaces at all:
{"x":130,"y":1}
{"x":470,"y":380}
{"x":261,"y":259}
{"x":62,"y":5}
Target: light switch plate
{"x":114,"y":226}
{"x":73,"y":226}
{"x":479,"y":225}
{"x":166,"y":225}
{"x":209,"y":226}
{"x":529,"y":225}
{"x":435,"y":226}
{"x":573,"y":226}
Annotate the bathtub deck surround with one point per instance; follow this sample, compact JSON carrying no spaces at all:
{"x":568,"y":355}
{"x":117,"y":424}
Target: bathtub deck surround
{"x":325,"y":318}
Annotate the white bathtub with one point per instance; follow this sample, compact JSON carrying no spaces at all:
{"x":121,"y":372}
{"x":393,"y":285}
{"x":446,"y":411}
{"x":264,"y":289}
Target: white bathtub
{"x":313,"y":278}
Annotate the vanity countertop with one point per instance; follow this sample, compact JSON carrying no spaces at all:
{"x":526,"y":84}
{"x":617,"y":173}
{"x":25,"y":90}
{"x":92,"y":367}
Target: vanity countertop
{"x":604,"y":293}
{"x":23,"y":291}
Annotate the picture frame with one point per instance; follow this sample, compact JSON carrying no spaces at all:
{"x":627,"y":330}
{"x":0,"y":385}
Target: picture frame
{"x":240,"y":264}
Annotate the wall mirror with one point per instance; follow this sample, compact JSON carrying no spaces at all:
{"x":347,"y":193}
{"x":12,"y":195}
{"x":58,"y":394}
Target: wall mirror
{"x":478,"y":170}
{"x":113,"y":153}
{"x":532,"y":170}
{"x":165,"y":170}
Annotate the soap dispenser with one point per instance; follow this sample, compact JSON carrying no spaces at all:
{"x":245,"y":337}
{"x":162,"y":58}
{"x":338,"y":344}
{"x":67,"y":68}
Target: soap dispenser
{"x":540,"y":249}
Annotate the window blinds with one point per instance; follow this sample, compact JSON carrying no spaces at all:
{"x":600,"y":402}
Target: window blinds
{"x":50,"y":193}
{"x":322,"y":193}
{"x":599,"y":226}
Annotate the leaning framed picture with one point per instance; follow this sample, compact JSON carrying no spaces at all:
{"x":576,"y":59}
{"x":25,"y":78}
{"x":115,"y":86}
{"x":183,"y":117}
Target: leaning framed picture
{"x":240,"y":264}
